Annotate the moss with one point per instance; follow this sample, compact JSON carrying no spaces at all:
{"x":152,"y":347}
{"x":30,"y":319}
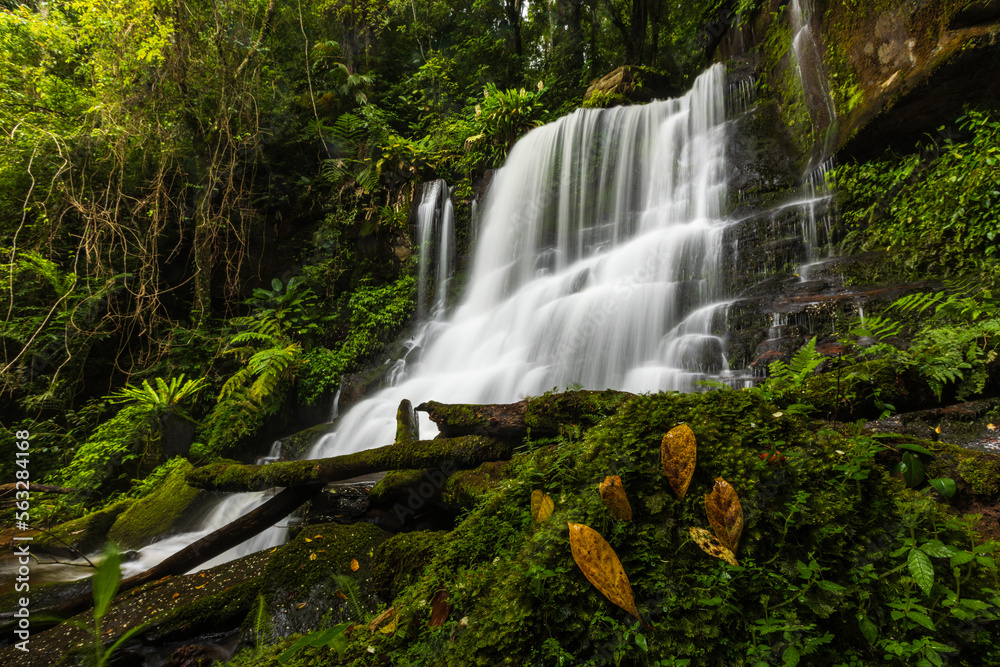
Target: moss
{"x":394,"y":487}
{"x":466,"y":488}
{"x":982,"y":473}
{"x":85,"y":534}
{"x":522,"y":600}
{"x":400,"y":560}
{"x":156,"y":513}
{"x":458,"y":452}
{"x":552,"y":412}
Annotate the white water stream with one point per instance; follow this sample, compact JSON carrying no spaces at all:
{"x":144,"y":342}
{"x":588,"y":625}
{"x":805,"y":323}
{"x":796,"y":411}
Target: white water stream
{"x":597,"y":264}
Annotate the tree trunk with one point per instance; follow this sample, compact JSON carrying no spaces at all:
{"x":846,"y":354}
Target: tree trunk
{"x":208,"y":547}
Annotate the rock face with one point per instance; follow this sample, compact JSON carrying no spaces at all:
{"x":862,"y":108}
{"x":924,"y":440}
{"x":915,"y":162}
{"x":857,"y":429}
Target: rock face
{"x":889,"y":73}
{"x":628,"y":84}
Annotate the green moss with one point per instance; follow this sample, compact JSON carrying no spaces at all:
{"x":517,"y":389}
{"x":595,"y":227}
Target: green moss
{"x":85,"y":534}
{"x":521,"y":598}
{"x":552,"y":412}
{"x":394,"y":487}
{"x":466,"y":488}
{"x":156,"y":513}
{"x":401,"y":559}
{"x":982,"y":473}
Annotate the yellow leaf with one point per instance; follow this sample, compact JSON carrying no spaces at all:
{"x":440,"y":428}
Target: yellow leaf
{"x":312,"y":556}
{"x":613,"y":495}
{"x":307,"y":539}
{"x":678,"y":454}
{"x":389,"y":627}
{"x":712,"y":546}
{"x":354,"y":565}
{"x":541,"y":505}
{"x":388,"y":613}
{"x":725,"y":513}
{"x":600,"y":564}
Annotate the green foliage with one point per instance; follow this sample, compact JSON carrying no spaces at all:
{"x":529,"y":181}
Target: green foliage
{"x":112,"y":454}
{"x":936,"y":208}
{"x":957,"y":345}
{"x":501,"y":118}
{"x":335,"y":638}
{"x":839,"y":563}
{"x":166,"y":398}
{"x":374,"y":316}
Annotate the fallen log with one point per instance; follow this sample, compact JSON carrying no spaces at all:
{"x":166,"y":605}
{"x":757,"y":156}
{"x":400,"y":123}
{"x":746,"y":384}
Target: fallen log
{"x":541,"y":416}
{"x":12,"y":488}
{"x":444,"y":454}
{"x":208,"y":547}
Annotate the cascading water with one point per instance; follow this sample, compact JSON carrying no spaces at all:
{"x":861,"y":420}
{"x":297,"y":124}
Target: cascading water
{"x":598,"y":264}
{"x":809,"y":67}
{"x":436,"y":233}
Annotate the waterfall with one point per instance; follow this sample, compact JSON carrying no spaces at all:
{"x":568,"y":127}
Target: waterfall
{"x":598,"y":263}
{"x":436,"y":234}
{"x":810,"y":70}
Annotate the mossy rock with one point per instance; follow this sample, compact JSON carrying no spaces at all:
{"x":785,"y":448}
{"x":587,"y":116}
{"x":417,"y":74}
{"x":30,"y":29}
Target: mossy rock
{"x":467,"y":488}
{"x":856,"y":390}
{"x":816,"y":523}
{"x":400,"y":560}
{"x":396,"y":486}
{"x":156,"y":513}
{"x":300,"y":584}
{"x":86,"y":534}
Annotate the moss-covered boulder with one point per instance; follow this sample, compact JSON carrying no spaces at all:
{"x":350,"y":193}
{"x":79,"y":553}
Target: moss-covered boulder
{"x":827,"y":537}
{"x":400,"y":560}
{"x":156,"y":513}
{"x":310,"y":581}
{"x":84,"y":535}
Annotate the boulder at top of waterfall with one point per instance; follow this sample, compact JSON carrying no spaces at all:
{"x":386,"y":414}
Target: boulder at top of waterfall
{"x":628,"y":84}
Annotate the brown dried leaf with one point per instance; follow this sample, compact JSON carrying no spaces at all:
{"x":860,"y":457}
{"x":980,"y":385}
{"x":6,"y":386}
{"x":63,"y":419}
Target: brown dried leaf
{"x":613,"y":495}
{"x":712,"y":546}
{"x":440,"y":608}
{"x":541,"y":505}
{"x":354,"y":565}
{"x":725,"y":513}
{"x":679,"y":453}
{"x":600,"y":564}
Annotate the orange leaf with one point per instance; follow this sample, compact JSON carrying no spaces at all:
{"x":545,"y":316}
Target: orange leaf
{"x":712,"y":546}
{"x":678,"y":454}
{"x":440,"y":608}
{"x":354,"y":565}
{"x":613,"y":495}
{"x":725,"y":513}
{"x":340,"y":594}
{"x":600,"y":564}
{"x":541,"y":505}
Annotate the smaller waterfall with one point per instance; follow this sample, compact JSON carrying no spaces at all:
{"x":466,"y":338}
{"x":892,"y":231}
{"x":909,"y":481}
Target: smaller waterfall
{"x":809,"y":67}
{"x":817,"y":217}
{"x":436,"y":233}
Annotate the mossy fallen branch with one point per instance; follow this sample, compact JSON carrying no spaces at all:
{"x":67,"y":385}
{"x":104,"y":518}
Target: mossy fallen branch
{"x":541,"y":416}
{"x":456,"y":453}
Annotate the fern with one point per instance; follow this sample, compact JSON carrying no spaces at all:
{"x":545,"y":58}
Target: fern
{"x":349,"y":587}
{"x":805,"y":361}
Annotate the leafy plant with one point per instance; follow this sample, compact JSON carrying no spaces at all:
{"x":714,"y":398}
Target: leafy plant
{"x":107,"y":576}
{"x":165,"y":398}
